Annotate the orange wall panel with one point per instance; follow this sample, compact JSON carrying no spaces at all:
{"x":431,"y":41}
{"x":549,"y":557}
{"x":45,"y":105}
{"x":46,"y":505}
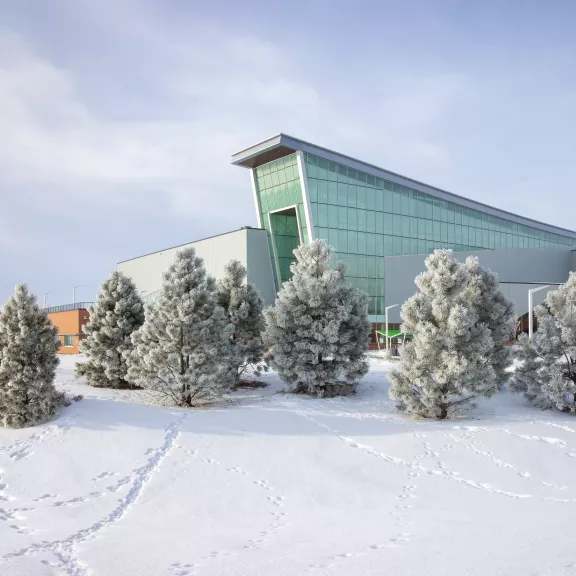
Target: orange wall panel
{"x":70,"y":323}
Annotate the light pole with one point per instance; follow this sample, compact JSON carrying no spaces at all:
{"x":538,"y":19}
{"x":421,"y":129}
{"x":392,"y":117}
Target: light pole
{"x":74,"y":292}
{"x":531,"y":309}
{"x":386,"y":312}
{"x":46,"y":294}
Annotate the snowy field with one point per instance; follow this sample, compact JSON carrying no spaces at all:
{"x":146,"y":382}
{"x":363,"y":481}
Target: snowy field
{"x":273,"y":484}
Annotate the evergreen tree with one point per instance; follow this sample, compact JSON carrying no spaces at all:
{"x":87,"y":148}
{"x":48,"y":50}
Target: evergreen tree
{"x":546,"y":373}
{"x":447,"y":363}
{"x":182,"y":352}
{"x":116,"y":314}
{"x":495,"y":311}
{"x":243,"y":306}
{"x":319,"y":328}
{"x":28,"y":361}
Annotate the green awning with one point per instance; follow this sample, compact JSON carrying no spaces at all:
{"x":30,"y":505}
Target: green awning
{"x":393,"y":333}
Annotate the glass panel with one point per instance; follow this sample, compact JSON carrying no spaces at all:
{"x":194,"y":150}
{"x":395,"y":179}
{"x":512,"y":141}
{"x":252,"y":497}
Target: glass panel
{"x":332,"y":193}
{"x":361,"y":214}
{"x":370,"y":221}
{"x":343,"y":218}
{"x":361,"y":197}
{"x":366,"y":218}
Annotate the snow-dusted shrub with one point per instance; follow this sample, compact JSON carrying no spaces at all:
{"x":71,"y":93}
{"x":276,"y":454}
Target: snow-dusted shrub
{"x":546,"y":373}
{"x":28,"y":361}
{"x":495,"y":311}
{"x":182,"y":351}
{"x":447,"y":364}
{"x":319,"y":328}
{"x":243,"y":305}
{"x":116,"y":314}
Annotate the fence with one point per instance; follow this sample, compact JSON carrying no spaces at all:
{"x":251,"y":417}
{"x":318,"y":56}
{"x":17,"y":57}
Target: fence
{"x":68,"y":307}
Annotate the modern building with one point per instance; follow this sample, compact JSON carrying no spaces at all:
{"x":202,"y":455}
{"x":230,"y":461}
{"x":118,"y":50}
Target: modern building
{"x":70,"y":318}
{"x":248,"y":245}
{"x":381,"y":224}
{"x":368,"y":214}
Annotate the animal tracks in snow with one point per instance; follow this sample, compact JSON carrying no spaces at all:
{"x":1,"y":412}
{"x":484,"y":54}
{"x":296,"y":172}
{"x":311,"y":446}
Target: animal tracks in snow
{"x":181,"y":569}
{"x":333,"y":561}
{"x":24,"y":448}
{"x":263,"y":536}
{"x":441,"y":471}
{"x":63,"y":549}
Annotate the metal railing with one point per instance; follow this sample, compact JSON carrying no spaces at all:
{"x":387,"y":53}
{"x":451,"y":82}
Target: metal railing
{"x":150,"y":298}
{"x":68,"y":307}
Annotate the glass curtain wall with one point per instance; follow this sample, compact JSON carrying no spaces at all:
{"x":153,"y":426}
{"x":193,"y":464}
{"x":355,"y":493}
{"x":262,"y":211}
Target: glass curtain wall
{"x":278,"y":188}
{"x":366,"y":218}
{"x":286,"y":238}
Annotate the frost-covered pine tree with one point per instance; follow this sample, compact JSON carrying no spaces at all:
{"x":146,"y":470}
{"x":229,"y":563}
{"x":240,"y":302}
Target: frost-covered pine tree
{"x":494,"y":310}
{"x":244,"y":308}
{"x":116,"y":314}
{"x":546,"y":373}
{"x":28,"y":361}
{"x":182,"y":352}
{"x":447,"y":364}
{"x":319,"y":327}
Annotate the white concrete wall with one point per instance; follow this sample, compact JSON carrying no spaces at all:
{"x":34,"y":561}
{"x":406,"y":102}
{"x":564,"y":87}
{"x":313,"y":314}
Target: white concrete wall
{"x":259,"y":265}
{"x":516,"y":269}
{"x":249,"y":246}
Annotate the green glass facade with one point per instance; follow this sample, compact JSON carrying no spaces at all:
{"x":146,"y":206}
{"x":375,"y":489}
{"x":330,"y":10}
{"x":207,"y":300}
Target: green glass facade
{"x":281,"y":211}
{"x":366,"y":218}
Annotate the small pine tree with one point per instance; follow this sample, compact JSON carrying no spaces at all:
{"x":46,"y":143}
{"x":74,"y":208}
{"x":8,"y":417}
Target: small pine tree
{"x":182,"y":352}
{"x":495,"y":311}
{"x":319,"y":329}
{"x":28,"y":361}
{"x":116,"y":314}
{"x":243,"y":306}
{"x":546,"y":373}
{"x":446,"y":365}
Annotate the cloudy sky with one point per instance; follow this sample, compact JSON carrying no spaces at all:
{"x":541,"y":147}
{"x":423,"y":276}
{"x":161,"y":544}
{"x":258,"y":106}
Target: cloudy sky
{"x":118,"y":117}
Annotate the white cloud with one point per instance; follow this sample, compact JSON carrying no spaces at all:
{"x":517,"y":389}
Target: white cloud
{"x":70,"y":143}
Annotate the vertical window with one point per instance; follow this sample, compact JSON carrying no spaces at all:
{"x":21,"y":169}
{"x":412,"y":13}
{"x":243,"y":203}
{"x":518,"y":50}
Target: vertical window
{"x":68,"y":341}
{"x":405,"y":201}
{"x":388,"y":226}
{"x":361,"y":220}
{"x":313,"y":189}
{"x":388,"y":246}
{"x":333,"y":193}
{"x":352,"y":219}
{"x":388,"y":202}
{"x":352,"y":193}
{"x":379,"y":200}
{"x":413,"y":228}
{"x":429,"y":207}
{"x":342,"y":217}
{"x":371,"y":244}
{"x":323,"y":215}
{"x":323,"y":191}
{"x":342,"y":194}
{"x":332,"y":216}
{"x":370,"y":199}
{"x":370,"y":221}
{"x":343,"y":240}
{"x":353,"y":242}
{"x":361,"y":243}
{"x":361,"y":197}
{"x":397,"y":200}
{"x":405,"y":226}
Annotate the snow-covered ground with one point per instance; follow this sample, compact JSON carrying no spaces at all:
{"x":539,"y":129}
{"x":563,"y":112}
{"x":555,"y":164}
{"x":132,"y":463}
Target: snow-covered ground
{"x":273,"y":484}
